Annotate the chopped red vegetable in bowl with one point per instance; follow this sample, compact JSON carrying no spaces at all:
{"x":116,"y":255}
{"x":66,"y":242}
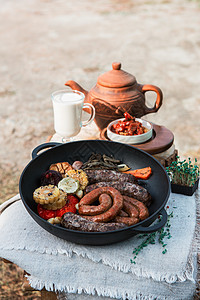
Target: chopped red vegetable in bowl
{"x":129,"y":130}
{"x":128,"y":126}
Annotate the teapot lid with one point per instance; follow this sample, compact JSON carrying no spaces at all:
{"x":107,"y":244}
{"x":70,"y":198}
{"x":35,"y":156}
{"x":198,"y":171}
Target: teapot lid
{"x":116,"y":78}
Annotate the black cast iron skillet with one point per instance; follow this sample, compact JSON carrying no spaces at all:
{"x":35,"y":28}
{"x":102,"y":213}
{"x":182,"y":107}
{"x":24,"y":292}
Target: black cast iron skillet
{"x":158,"y":186}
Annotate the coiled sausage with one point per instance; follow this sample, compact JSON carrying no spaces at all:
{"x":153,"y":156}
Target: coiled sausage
{"x":143,"y":210}
{"x":136,"y":210}
{"x":112,"y":212}
{"x":92,"y":210}
{"x":122,"y":213}
{"x":133,"y":214}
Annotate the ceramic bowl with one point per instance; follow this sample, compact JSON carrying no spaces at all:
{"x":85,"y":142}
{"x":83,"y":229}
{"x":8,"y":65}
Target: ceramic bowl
{"x":130,"y":139}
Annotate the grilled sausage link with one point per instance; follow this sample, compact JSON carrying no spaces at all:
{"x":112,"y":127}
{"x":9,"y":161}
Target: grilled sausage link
{"x":112,"y":212}
{"x":143,"y":210}
{"x":76,"y":222}
{"x":136,"y":210}
{"x":130,"y":209}
{"x":125,"y":188}
{"x":129,"y":221}
{"x":109,"y":175}
{"x":92,"y":210}
{"x":133,"y":214}
{"x":122,"y":213}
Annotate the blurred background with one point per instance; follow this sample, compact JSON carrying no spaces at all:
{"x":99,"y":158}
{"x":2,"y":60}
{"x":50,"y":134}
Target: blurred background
{"x":44,"y":43}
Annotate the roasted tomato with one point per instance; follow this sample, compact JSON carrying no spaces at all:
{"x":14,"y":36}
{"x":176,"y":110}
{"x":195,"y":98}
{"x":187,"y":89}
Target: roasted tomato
{"x":45,"y":213}
{"x":70,"y":206}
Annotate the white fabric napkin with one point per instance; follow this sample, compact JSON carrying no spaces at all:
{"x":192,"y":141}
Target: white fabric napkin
{"x":105,"y":270}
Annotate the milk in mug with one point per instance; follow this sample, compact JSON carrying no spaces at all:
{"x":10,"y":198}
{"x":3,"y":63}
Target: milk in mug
{"x":67,"y":106}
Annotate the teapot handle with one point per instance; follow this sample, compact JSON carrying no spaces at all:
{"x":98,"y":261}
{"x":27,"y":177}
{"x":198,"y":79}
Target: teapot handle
{"x":148,"y":87}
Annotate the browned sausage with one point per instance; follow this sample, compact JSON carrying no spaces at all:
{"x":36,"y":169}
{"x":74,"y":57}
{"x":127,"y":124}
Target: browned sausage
{"x":89,"y":210}
{"x":133,"y":214}
{"x":143,"y":210}
{"x":131,"y":210}
{"x":76,"y":222}
{"x":125,"y":188}
{"x":112,"y":212}
{"x":109,"y":175}
{"x":126,"y":220}
{"x":122,"y":213}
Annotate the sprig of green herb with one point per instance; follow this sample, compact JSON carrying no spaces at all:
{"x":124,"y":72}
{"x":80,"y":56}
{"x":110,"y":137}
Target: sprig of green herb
{"x":161,"y":234}
{"x":183,"y":172}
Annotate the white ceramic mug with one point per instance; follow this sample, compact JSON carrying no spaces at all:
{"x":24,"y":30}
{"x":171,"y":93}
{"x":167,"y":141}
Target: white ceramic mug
{"x":67,"y":108}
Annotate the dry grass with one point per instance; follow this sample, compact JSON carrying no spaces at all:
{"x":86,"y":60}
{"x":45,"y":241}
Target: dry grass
{"x":9,"y":179}
{"x":11,"y":278}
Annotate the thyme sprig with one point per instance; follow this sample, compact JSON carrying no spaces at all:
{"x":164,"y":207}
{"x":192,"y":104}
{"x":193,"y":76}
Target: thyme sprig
{"x":160,"y":235}
{"x":183,"y":172}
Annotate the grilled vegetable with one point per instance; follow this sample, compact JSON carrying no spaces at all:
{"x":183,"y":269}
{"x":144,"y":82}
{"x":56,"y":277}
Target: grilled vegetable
{"x":143,"y":173}
{"x":46,"y":194}
{"x":55,"y":220}
{"x":80,"y":176}
{"x":50,"y":177}
{"x":47,"y":214}
{"x":61,"y":167}
{"x":68,"y":185}
{"x":123,"y":168}
{"x":70,"y":206}
{"x":57,"y":204}
{"x":98,"y":161}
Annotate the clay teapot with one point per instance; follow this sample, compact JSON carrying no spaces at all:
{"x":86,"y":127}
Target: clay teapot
{"x":117,"y":92}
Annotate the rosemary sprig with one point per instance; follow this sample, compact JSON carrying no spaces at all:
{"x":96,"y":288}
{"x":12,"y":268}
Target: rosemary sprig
{"x":161,"y":234}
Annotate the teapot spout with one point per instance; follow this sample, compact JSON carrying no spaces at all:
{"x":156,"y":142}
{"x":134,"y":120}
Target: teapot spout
{"x":75,"y":86}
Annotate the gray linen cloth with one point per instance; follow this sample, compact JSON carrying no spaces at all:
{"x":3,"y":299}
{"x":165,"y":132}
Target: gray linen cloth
{"x":105,"y":271}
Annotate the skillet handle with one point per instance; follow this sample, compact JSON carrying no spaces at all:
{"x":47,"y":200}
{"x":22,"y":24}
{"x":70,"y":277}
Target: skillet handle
{"x":43,"y":146}
{"x":156,"y":226}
